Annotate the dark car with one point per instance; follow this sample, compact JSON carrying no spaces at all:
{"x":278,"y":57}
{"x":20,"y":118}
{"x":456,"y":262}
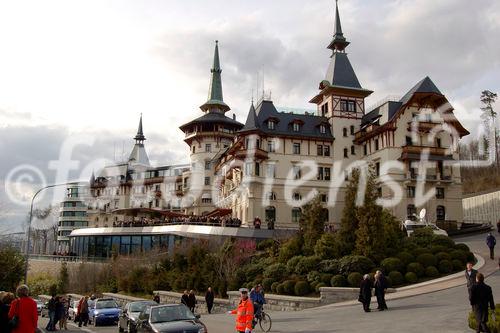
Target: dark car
{"x":104,"y":311}
{"x":131,"y":312}
{"x":171,"y":318}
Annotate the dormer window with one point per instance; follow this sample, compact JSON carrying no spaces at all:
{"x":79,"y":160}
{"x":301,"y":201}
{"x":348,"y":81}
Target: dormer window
{"x":322,"y":129}
{"x":271,"y":125}
{"x":296,"y":127}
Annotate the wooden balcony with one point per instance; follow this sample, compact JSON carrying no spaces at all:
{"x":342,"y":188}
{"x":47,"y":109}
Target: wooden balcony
{"x":423,"y":126}
{"x":415,"y":153}
{"x":247,"y":153}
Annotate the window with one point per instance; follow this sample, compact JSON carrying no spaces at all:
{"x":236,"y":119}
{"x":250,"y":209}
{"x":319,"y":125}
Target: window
{"x":409,"y":141}
{"x":323,"y":173}
{"x":377,"y":168}
{"x":320,"y":173}
{"x":296,"y":127}
{"x":376,"y":144}
{"x":322,"y":129}
{"x":296,"y":196}
{"x":271,"y":170}
{"x":271,"y":125}
{"x":296,"y":213}
{"x":365,"y":150}
{"x":296,"y":172}
{"x":270,"y":214}
{"x":207,"y":180}
{"x":353,"y":150}
{"x":440,"y":213}
{"x":346,"y":153}
{"x":207,"y":165}
{"x":257,"y":169}
{"x":438,"y":142}
{"x":326,"y":150}
{"x":347,"y":106}
{"x":344,"y":132}
{"x":352,"y":130}
{"x":208,"y":148}
{"x":324,"y":109}
{"x":324,"y":198}
{"x":411,"y":212}
{"x":296,"y":148}
{"x":320,"y":150}
{"x":206,"y":200}
{"x":439,"y":192}
{"x":410,"y":191}
{"x":271,"y":196}
{"x":327,"y":173}
{"x":271,"y":146}
{"x":248,"y":169}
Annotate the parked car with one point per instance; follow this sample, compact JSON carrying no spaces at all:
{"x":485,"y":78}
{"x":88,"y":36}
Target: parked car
{"x":104,"y":311}
{"x":72,"y":310}
{"x":411,"y":226}
{"x":39,"y":306}
{"x":169,"y":318}
{"x":131,"y":312}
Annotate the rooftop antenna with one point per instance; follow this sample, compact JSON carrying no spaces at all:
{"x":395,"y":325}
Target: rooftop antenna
{"x":263,"y":82}
{"x":114,"y":151}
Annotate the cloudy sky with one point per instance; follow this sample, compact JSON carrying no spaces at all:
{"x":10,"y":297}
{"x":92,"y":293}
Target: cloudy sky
{"x":72,"y":68}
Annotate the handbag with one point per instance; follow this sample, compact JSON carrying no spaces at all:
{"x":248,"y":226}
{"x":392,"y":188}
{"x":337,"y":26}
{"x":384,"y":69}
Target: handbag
{"x":361,"y":298}
{"x":14,"y":322}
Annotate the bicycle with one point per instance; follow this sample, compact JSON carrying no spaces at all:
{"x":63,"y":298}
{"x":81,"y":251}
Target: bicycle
{"x":264,"y":321}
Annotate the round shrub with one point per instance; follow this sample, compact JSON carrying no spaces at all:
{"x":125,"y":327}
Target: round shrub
{"x":391,"y":264}
{"x":411,"y":277}
{"x":405,"y":257}
{"x":274,"y":287}
{"x":420,"y":250}
{"x":307,"y":264}
{"x":462,"y":247}
{"x":417,"y":268}
{"x":292,"y":263}
{"x":330,"y":266}
{"x":389,"y":281}
{"x":313,"y":276}
{"x":275,"y":272}
{"x":267,"y":284}
{"x":459,"y":254}
{"x":354,"y":279}
{"x":443,"y":256}
{"x":471,"y":257}
{"x":280,"y":289}
{"x":338,"y":281}
{"x":319,"y":285}
{"x":289,"y":286}
{"x":438,"y":248}
{"x":443,"y":240}
{"x":326,"y":278}
{"x":445,"y":267}
{"x":302,"y":288}
{"x":457,"y":265}
{"x":353,"y":263}
{"x":396,"y":278}
{"x":314,"y":284}
{"x":427,"y":259}
{"x":431,"y":272}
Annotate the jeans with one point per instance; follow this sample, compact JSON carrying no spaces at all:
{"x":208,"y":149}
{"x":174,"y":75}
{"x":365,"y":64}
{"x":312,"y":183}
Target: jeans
{"x":51,"y":326}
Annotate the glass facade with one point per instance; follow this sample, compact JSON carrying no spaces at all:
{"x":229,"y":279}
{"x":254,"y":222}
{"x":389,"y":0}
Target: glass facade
{"x":105,"y":246}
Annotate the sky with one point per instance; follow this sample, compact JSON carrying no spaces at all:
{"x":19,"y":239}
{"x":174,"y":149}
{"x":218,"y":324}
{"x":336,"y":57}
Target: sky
{"x":88,"y":69}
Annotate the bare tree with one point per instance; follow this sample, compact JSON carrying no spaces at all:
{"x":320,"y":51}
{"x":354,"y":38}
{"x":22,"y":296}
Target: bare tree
{"x":489,"y":116}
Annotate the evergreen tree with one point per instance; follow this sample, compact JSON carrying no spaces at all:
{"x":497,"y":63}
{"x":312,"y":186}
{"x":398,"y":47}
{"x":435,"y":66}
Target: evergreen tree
{"x":63,"y":281}
{"x":346,"y":236}
{"x":489,"y":116}
{"x":370,"y":239}
{"x":312,"y":224}
{"x":12,"y":271}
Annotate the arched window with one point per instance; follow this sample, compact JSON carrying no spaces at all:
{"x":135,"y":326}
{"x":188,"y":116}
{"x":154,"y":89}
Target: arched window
{"x":440,"y":213}
{"x":296,"y":213}
{"x":411,"y":211}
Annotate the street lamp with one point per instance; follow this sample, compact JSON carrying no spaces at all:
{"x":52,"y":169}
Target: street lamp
{"x":31,"y":218}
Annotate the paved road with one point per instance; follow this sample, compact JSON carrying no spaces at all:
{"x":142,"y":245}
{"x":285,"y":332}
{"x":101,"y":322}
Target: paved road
{"x":442,"y":311}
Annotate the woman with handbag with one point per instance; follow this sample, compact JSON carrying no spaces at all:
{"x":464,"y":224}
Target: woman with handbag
{"x":23,"y":314}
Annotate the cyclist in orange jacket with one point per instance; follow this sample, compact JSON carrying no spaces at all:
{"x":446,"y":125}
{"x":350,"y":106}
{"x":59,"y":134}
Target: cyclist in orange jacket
{"x":244,"y":313}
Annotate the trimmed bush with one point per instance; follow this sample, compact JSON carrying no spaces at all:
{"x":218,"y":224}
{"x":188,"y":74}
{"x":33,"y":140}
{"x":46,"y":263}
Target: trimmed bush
{"x":289,"y":286}
{"x":389,"y":281}
{"x":443,"y":241}
{"x":471,"y":257}
{"x":320,"y":285}
{"x":267,"y":284}
{"x":280,"y":289}
{"x":326,"y":278}
{"x":427,"y":259}
{"x":354,"y":279}
{"x":405,"y":257}
{"x":292,"y":263}
{"x":431,"y":272}
{"x":396,"y":278}
{"x":457,"y":265}
{"x":338,"y":281}
{"x":276,"y":272}
{"x":445,"y":267}
{"x":353,"y":263}
{"x":391,"y":264}
{"x":313,"y":276}
{"x":439,"y":248}
{"x":329,"y":266}
{"x":307,"y":264}
{"x":314,"y":284}
{"x":443,"y":256}
{"x":420,"y":250}
{"x":417,"y":268}
{"x":462,"y":247}
{"x":411,"y":277}
{"x":460,"y":255}
{"x":302,"y":288}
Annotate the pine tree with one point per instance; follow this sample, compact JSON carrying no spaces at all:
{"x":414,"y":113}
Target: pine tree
{"x":63,"y":282}
{"x":346,"y":236}
{"x":312,"y":224}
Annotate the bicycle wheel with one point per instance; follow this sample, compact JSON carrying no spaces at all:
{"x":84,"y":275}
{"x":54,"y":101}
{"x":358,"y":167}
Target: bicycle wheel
{"x":265,"y":322}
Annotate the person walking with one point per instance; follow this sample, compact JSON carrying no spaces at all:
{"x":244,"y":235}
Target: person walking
{"x":62,"y":313}
{"x":209,"y":299}
{"x":365,"y":292}
{"x":185,"y":298}
{"x":156,"y":298}
{"x":258,"y":302}
{"x":491,"y":241}
{"x":83,"y":311}
{"x":192,"y":301}
{"x":481,"y":296}
{"x":470,"y":276}
{"x":5,"y":301}
{"x":244,"y":313}
{"x":51,"y":307}
{"x":24,"y":309}
{"x":380,"y":286}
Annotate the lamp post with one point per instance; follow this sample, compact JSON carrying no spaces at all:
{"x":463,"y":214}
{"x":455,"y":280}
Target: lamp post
{"x":28,"y":245}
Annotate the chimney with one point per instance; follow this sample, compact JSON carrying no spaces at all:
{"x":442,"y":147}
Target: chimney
{"x":234,"y":116}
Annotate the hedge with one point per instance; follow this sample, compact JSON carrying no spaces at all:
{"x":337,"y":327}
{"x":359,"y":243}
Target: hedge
{"x":427,"y":259}
{"x":354,"y":279}
{"x":440,"y":248}
{"x":462,"y":247}
{"x":320,"y":285}
{"x":353,"y":263}
{"x":420,"y":250}
{"x":292,"y":263}
{"x":445,"y":267}
{"x":406,"y":257}
{"x":396,"y":278}
{"x":411,"y":277}
{"x":274,"y":287}
{"x":457,"y":265}
{"x":280,"y":289}
{"x":302,"y":288}
{"x":307,"y":264}
{"x":313,"y":276}
{"x":267,"y":284}
{"x":329,"y":266}
{"x":289,"y":286}
{"x":275,"y":272}
{"x":459,"y":255}
{"x":443,"y":256}
{"x":338,"y":281}
{"x":391,"y":264}
{"x":417,"y":268}
{"x":326,"y":278}
{"x":431,"y":272}
{"x":443,"y":241}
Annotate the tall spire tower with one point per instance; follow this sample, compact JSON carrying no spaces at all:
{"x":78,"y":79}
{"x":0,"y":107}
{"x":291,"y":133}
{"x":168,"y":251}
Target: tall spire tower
{"x":215,"y":102}
{"x":339,"y":42}
{"x":138,"y":154}
{"x":139,"y":137}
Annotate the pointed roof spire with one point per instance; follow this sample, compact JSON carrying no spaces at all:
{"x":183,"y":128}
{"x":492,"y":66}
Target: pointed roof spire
{"x":92,"y":179}
{"x":215,"y":96}
{"x":339,"y":42}
{"x":139,"y":137}
{"x":251,"y":123}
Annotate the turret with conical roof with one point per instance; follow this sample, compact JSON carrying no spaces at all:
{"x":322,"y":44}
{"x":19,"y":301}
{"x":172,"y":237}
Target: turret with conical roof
{"x":339,"y":42}
{"x":215,"y":100}
{"x":138,"y":154}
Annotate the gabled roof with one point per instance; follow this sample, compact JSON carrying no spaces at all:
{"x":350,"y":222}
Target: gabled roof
{"x":340,"y":72}
{"x":424,"y":86}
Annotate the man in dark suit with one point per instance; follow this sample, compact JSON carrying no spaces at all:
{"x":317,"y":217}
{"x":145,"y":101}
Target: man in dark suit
{"x":470,"y":276}
{"x":481,"y":297}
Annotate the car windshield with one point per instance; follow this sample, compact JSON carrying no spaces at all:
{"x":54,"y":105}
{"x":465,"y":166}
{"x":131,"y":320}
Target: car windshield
{"x":106,"y":304}
{"x":162,"y":314}
{"x":139,"y":307}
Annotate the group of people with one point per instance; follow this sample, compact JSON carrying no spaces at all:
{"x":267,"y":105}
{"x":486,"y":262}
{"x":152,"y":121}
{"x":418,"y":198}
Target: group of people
{"x":18,"y":314}
{"x":225,"y":221}
{"x":480,"y":297}
{"x":189,"y":300}
{"x":365,"y":291}
{"x":83,"y":308}
{"x":58,"y":307}
{"x":249,"y":309}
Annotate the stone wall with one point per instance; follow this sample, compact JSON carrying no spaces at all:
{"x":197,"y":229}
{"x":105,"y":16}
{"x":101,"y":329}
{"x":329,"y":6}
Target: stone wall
{"x":220,"y":305}
{"x":122,"y":299}
{"x":280,"y":302}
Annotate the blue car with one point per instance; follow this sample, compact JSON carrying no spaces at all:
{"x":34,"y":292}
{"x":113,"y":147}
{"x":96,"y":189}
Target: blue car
{"x":105,"y":311}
